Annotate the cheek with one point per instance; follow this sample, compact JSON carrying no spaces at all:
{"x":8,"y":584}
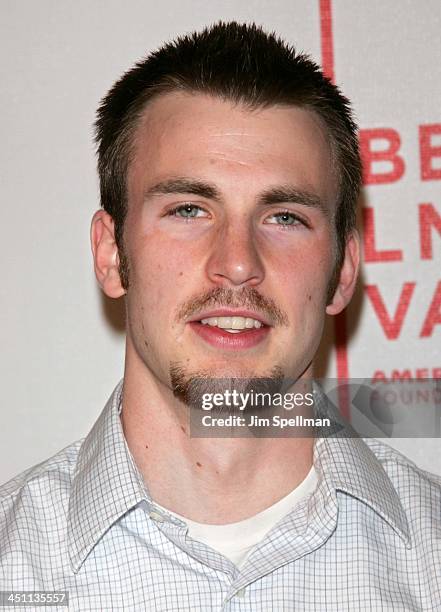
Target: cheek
{"x":304,"y":275}
{"x":161,"y":272}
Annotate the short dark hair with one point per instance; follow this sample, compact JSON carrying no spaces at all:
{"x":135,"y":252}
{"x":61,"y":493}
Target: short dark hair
{"x":237,"y":62}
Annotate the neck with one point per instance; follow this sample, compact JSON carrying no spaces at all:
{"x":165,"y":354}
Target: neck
{"x":208,"y":480}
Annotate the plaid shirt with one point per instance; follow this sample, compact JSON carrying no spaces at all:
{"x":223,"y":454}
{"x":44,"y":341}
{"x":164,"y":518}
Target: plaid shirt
{"x":368,"y":538}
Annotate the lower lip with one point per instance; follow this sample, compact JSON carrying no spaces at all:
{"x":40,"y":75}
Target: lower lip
{"x":222,"y":339}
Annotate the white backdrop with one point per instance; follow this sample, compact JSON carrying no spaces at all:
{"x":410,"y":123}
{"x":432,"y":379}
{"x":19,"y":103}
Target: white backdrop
{"x":61,"y":356}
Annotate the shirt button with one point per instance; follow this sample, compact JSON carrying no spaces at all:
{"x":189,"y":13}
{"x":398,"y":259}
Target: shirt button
{"x":155,"y":516}
{"x":241,"y":592}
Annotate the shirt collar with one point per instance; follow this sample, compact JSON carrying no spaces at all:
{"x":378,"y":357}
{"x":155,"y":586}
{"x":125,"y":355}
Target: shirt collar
{"x":346,"y":463}
{"x":106,"y":482}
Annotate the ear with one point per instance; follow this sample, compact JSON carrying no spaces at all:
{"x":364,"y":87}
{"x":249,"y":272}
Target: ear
{"x":348,"y":275}
{"x":105,"y":254}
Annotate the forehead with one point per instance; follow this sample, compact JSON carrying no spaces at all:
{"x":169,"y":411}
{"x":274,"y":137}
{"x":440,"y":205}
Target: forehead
{"x":205,"y":137}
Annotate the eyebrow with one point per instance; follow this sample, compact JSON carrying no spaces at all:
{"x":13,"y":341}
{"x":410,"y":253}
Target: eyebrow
{"x":283,"y":194}
{"x":288,"y":194}
{"x":184,"y":185}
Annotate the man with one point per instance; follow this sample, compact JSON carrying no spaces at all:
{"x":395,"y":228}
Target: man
{"x":229,"y":172}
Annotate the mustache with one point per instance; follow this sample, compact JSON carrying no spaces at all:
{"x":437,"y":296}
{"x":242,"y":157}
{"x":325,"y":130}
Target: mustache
{"x":246,"y":297}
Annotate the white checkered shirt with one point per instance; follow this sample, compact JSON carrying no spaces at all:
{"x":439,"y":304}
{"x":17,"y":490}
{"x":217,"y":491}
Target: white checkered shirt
{"x":368,"y":538}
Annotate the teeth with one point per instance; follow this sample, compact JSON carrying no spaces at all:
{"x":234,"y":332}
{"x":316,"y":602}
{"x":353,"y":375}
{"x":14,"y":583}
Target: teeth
{"x":232,"y":324}
{"x":225,"y":322}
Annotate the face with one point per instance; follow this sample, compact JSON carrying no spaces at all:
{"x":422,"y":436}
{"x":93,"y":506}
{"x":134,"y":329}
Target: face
{"x":230,"y":239}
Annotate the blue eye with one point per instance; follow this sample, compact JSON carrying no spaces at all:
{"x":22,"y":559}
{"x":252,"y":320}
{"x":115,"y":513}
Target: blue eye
{"x":284,"y":218}
{"x":186,"y":211}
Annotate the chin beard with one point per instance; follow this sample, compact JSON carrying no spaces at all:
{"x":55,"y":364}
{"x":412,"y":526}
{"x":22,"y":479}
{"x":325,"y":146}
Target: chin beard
{"x":190,"y":387}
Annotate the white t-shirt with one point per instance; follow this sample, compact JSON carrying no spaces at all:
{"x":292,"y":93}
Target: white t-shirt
{"x":235,"y":540}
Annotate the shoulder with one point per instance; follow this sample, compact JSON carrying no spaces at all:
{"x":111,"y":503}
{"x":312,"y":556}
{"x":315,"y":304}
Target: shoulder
{"x":61,"y":466}
{"x":397,"y":464}
{"x":38,"y":494}
{"x":33,"y":520}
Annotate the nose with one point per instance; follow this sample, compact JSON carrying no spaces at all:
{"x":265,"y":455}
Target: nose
{"x":234,"y":258}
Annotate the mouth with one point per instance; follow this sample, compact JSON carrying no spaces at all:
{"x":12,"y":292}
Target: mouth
{"x":231,"y":330}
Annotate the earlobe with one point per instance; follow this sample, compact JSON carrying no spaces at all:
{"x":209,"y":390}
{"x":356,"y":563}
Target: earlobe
{"x":105,"y":254}
{"x":348,"y":275}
